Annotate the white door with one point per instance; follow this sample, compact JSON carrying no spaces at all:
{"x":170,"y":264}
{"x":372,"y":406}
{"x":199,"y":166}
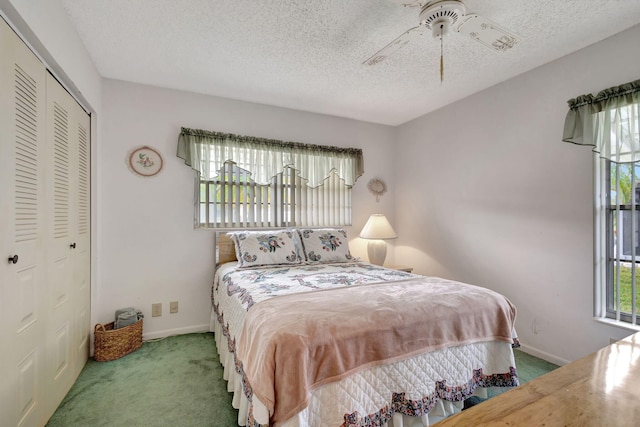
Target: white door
{"x":81,"y":280}
{"x":62,"y":247}
{"x":22,"y":222}
{"x":44,"y":237}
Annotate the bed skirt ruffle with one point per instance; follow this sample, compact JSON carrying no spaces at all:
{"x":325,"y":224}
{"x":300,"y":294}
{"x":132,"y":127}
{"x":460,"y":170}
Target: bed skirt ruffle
{"x":482,"y":365}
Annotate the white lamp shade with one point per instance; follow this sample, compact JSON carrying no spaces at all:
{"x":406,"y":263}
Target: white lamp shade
{"x":378,"y":227}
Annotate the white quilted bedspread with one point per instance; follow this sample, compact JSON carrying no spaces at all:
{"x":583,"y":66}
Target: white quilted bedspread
{"x":368,"y":391}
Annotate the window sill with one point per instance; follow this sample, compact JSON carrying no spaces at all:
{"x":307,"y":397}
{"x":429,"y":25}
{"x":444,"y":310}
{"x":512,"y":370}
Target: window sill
{"x":623,"y":325}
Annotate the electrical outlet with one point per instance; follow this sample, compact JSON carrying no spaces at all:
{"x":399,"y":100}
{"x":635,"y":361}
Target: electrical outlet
{"x":156,"y":309}
{"x":173,"y":307}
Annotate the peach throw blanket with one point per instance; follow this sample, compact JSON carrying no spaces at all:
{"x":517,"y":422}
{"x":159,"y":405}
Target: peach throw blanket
{"x":292,"y":344}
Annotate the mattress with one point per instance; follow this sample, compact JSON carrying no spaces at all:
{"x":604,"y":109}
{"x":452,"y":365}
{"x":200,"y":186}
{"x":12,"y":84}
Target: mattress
{"x":421,"y":388}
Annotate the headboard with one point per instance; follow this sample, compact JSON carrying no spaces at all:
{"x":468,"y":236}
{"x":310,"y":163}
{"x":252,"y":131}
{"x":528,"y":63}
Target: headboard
{"x":226,"y":249}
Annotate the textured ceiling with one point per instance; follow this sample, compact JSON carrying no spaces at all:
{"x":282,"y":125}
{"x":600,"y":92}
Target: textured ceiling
{"x":307,"y":55}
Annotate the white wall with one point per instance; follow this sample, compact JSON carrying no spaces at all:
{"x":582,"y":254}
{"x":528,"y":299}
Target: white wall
{"x":493,"y":197}
{"x":149,"y":251}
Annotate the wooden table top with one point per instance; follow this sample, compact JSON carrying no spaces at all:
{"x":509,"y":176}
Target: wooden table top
{"x":602,"y":389}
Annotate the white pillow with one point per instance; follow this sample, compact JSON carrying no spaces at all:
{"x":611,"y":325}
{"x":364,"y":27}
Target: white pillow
{"x":256,"y":248}
{"x":324,"y":245}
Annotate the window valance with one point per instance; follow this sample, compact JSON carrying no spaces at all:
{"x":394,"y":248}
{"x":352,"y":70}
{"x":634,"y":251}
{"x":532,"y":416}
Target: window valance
{"x":608,"y":121}
{"x":207,"y":151}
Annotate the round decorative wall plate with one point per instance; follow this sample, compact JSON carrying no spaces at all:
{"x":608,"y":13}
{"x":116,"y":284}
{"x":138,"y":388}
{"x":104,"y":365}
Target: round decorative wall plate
{"x":145,"y":161}
{"x":377,"y":187}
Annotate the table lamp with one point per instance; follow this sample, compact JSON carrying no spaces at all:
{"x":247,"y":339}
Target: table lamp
{"x":377,"y":229}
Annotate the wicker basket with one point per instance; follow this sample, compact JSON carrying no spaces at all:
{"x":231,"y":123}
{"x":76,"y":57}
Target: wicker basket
{"x":112,"y":344}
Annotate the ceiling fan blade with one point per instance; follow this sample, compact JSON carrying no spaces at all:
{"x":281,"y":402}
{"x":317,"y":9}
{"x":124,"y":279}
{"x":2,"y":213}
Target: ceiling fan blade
{"x":395,"y":45}
{"x":487,"y":32}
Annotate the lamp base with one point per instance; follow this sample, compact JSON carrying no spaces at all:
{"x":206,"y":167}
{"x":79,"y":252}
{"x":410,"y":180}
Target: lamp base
{"x":377,"y":251}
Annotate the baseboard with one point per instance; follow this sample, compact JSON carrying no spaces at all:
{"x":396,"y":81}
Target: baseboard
{"x":543,"y":355}
{"x":146,"y":336}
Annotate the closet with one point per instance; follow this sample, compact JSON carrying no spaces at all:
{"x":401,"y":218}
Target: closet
{"x":44,"y":237}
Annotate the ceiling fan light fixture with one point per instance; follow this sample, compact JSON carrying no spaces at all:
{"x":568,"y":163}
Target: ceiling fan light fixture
{"x":439,"y":16}
{"x":434,"y":13}
{"x":440,"y":28}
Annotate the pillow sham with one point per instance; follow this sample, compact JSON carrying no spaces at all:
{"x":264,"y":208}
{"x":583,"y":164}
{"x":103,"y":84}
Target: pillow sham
{"x":324,"y":245}
{"x":256,"y":248}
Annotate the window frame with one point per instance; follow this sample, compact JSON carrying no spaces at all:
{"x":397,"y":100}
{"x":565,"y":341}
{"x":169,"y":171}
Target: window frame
{"x":606,"y":298}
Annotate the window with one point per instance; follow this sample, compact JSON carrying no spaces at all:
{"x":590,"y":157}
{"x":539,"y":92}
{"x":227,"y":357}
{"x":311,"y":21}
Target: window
{"x":622,"y":245}
{"x":232,"y":199}
{"x":248,"y":182}
{"x":619,"y":250}
{"x":610,"y":122}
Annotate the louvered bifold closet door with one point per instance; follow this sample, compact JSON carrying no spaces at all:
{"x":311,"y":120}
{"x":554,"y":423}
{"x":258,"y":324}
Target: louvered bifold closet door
{"x":82,"y":225}
{"x":22,"y":222}
{"x":68,"y":240}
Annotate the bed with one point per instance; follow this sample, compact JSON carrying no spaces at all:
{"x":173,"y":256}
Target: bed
{"x":310,"y":336}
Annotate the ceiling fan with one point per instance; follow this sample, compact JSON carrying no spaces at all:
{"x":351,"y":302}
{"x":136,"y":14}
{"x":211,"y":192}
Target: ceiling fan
{"x":442,"y":16}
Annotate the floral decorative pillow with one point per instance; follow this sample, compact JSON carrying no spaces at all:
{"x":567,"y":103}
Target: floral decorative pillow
{"x":256,"y":248}
{"x":323,"y":245}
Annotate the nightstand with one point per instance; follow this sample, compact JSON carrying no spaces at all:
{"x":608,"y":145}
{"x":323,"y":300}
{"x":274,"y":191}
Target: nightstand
{"x":399,"y":267}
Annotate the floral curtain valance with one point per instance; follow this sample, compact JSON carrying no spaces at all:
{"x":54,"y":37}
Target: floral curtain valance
{"x":608,"y":121}
{"x":207,"y":151}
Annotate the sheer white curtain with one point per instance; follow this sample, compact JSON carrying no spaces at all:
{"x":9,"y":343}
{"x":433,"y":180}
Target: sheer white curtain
{"x":207,"y":151}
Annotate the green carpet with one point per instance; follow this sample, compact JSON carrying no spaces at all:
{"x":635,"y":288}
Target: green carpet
{"x":530,"y":367}
{"x":174,"y":382}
